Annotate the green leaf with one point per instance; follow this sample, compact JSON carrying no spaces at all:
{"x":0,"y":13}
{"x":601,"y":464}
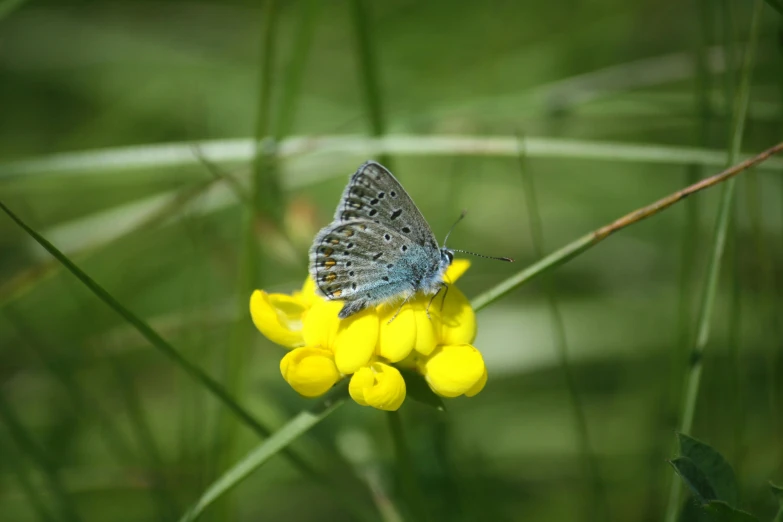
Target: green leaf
{"x":266,"y":450}
{"x":717,"y":471}
{"x":718,"y":511}
{"x":694,"y":478}
{"x":713,"y":511}
{"x":417,"y":389}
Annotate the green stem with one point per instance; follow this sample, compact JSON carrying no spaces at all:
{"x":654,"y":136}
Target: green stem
{"x":277,"y":443}
{"x":32,"y":492}
{"x":26,"y":444}
{"x":365,"y":50}
{"x":587,"y":241}
{"x":767,"y":285}
{"x":600,"y":504}
{"x":154,"y":338}
{"x":734,"y":339}
{"x":709,"y":292}
{"x":9,"y":6}
{"x":294,"y":74}
{"x":406,"y":473}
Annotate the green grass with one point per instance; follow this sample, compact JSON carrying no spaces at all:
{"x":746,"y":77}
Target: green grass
{"x":620,"y":104}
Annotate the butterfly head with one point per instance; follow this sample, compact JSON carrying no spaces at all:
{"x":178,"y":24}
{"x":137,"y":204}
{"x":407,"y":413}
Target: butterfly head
{"x":446,"y":258}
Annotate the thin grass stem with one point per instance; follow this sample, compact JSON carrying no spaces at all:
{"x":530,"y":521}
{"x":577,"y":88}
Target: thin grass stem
{"x":598,"y":505}
{"x":278,"y":443}
{"x":9,"y":6}
{"x":777,"y":5}
{"x":156,"y":340}
{"x":30,"y":491}
{"x":591,"y":239}
{"x":265,"y":204}
{"x":27,"y":445}
{"x":368,"y":68}
{"x":735,"y":339}
{"x":406,"y":472}
{"x":710,"y":288}
{"x":294,"y":73}
{"x":159,"y":156}
{"x":767,"y":285}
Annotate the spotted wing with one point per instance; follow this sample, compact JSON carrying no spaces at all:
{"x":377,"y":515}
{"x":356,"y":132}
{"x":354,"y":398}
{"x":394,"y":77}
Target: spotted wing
{"x":362,"y":263}
{"x":374,"y":194}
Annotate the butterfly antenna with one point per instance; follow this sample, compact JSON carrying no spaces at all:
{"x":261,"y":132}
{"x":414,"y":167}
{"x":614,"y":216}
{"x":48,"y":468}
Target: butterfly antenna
{"x":485,"y":257}
{"x":462,"y":215}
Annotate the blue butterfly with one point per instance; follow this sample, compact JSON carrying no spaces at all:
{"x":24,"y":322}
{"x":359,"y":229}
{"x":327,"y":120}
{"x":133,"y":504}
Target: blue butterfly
{"x":379,"y":247}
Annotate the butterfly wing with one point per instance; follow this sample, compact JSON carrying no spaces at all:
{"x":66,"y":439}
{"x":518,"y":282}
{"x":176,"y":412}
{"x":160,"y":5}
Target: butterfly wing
{"x":362,"y":263}
{"x":374,"y":194}
{"x":377,"y":248}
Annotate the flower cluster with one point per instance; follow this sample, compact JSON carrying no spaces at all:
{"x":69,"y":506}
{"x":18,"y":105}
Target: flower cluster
{"x":370,"y":348}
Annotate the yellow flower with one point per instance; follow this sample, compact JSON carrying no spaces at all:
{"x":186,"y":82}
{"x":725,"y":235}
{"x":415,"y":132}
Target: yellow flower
{"x":370,"y":348}
{"x":378,"y":385}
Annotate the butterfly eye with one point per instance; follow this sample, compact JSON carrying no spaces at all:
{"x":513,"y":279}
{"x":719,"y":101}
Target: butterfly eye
{"x":450,"y":256}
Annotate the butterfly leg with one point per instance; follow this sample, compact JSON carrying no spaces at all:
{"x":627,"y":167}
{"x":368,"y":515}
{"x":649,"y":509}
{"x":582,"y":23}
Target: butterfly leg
{"x":442,"y":285}
{"x":407,"y":298}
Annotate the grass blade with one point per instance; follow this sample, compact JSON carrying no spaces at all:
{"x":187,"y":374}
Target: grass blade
{"x":9,"y":6}
{"x":32,"y":493}
{"x":158,"y":156}
{"x":265,"y":204}
{"x":214,"y":387}
{"x":709,"y":292}
{"x":591,"y":239}
{"x":26,"y":444}
{"x":406,"y":472}
{"x":292,"y":82}
{"x":599,"y":508}
{"x":155,"y":339}
{"x":777,"y":5}
{"x":266,"y":450}
{"x":360,"y":17}
{"x":82,"y":400}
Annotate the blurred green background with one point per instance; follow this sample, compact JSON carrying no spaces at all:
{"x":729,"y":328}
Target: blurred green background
{"x":97,"y":425}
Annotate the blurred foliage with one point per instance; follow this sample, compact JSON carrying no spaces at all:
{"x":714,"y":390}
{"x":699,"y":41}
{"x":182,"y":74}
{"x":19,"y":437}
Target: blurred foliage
{"x":96,"y":425}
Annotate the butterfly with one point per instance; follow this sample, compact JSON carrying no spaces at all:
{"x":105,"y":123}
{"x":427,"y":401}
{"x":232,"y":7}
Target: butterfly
{"x":379,"y":247}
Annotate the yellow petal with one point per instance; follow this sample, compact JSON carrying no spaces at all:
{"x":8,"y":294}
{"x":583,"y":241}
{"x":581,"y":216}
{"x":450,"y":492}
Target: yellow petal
{"x":478,"y":386}
{"x":378,"y":385}
{"x":307,"y":294}
{"x":455,"y":271}
{"x":278,"y":317}
{"x":396,"y":339}
{"x":320,"y":323}
{"x":361,"y":380}
{"x":309,"y":371}
{"x":355,"y":341}
{"x":455,"y":320}
{"x":426,"y":338}
{"x":453,"y":370}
